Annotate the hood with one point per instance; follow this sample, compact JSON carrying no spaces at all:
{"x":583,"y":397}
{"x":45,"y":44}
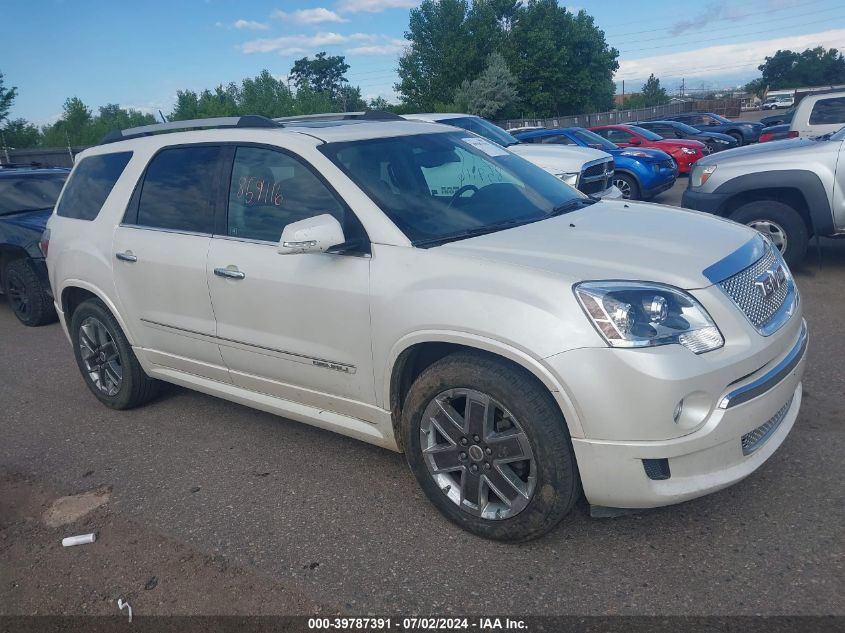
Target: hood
{"x":616,"y":240}
{"x":758,"y":150}
{"x":34,"y":220}
{"x":718,"y":135}
{"x":651,"y":154}
{"x":558,"y":158}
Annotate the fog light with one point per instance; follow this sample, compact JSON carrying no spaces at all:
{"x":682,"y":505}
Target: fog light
{"x":679,"y":408}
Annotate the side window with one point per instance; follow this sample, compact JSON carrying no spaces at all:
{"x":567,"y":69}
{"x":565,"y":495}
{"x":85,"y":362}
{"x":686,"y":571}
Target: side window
{"x":90,"y":185}
{"x":828,"y":112}
{"x":179,"y":189}
{"x":269,"y":190}
{"x":694,"y":120}
{"x":619,"y":136}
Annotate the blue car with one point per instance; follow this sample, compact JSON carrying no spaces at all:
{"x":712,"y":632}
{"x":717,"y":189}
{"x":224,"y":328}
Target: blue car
{"x":640,"y":174}
{"x":27,"y":197}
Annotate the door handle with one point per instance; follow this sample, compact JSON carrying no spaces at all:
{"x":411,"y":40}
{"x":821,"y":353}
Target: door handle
{"x":229,"y":273}
{"x":126,"y":256}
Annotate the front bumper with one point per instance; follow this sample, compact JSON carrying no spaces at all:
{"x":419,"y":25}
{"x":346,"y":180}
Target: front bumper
{"x":711,"y":455}
{"x":668,"y":183}
{"x":702,"y":201}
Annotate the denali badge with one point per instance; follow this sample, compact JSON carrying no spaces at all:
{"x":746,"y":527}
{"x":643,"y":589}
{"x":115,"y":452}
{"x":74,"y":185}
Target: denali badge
{"x":768,"y":282}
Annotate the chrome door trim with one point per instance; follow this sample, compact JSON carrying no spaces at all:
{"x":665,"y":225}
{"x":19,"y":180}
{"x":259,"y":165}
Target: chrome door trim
{"x":292,"y":356}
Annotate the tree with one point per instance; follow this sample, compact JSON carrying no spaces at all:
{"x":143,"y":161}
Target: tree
{"x":379,"y":103}
{"x":321,"y":74}
{"x":756,"y":87}
{"x":491,"y":93}
{"x":187,"y":106}
{"x":561,"y":60}
{"x":812,"y":67}
{"x":7,"y":97}
{"x":265,"y":95}
{"x":653,"y":93}
{"x":350,"y":99}
{"x":222,"y":102}
{"x":20,"y":133}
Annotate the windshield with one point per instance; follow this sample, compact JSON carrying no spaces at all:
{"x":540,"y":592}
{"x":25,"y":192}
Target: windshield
{"x":442,"y":187}
{"x":839,"y":135}
{"x":646,"y":134}
{"x":686,"y":129}
{"x":30,"y":193}
{"x":484,"y":128}
{"x":718,"y":118}
{"x":594,"y":140}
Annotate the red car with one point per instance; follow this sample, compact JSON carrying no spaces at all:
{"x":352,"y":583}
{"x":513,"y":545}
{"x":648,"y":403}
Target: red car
{"x":684,"y":152}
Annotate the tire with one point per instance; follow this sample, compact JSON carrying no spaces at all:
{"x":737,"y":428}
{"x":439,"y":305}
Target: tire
{"x":527,"y":422}
{"x":29,"y":299}
{"x":120,"y":382}
{"x":738,"y":138}
{"x":779,"y":222}
{"x":629,"y":187}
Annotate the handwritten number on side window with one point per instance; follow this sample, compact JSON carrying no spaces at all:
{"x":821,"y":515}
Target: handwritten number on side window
{"x":253,"y":191}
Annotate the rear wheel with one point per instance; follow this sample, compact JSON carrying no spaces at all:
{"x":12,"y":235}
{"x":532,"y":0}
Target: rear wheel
{"x":627,"y":185}
{"x":489,"y":447}
{"x":778,"y":222}
{"x":28,"y":296}
{"x":106,"y":360}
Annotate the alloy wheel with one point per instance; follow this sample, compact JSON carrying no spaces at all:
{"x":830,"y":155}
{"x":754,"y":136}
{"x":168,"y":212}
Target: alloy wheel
{"x":478,"y":454}
{"x":624,"y":187}
{"x":100,"y":356}
{"x":18,"y":296}
{"x":771,"y":230}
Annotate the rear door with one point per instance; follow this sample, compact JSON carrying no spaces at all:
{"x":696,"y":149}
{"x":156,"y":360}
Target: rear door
{"x":160,"y":252}
{"x":292,"y":326}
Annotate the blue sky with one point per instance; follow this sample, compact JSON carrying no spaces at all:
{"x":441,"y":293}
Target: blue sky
{"x":138,"y":54}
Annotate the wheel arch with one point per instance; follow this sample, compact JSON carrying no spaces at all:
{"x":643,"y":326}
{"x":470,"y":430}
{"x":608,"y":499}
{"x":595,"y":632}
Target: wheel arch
{"x":412,"y":354}
{"x":800,"y":189}
{"x":75,"y":291}
{"x":9,"y":253}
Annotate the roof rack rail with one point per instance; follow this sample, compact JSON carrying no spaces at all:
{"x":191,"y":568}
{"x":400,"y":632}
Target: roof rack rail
{"x":367,"y":115}
{"x":251,"y":120}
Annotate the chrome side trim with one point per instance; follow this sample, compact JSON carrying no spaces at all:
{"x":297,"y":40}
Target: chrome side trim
{"x":739,"y":260}
{"x":771,"y":377}
{"x":158,"y":229}
{"x":293,"y":356}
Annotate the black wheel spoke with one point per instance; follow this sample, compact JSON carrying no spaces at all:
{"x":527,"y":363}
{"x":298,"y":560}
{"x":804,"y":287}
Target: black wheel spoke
{"x":448,"y":422}
{"x":471,"y":489}
{"x":444,"y":459}
{"x":100,"y":355}
{"x":506,"y":447}
{"x":506,"y":485}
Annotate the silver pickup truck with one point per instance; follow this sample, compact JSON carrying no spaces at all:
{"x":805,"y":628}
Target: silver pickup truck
{"x":788,"y":190}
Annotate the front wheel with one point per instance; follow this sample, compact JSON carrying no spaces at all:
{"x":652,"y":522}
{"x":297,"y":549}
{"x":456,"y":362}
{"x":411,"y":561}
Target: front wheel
{"x":489,"y":447}
{"x":627,"y":185}
{"x":106,"y":360}
{"x":779,"y":223}
{"x":738,"y":138}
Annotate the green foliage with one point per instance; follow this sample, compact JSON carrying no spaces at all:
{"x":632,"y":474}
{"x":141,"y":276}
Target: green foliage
{"x":756,"y":87}
{"x":7,"y":97}
{"x":652,"y":94}
{"x":561,"y":60}
{"x":321,"y":74}
{"x":492,"y":93}
{"x":265,"y":95}
{"x":20,"y":133}
{"x":379,"y":103}
{"x":812,"y":67}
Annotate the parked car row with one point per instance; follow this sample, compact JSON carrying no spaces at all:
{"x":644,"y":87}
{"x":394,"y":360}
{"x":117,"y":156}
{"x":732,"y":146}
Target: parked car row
{"x":425,"y":289}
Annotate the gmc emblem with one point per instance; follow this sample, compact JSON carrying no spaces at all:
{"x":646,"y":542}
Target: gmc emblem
{"x":768,"y":282}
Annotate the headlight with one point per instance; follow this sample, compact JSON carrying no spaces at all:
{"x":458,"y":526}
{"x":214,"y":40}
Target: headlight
{"x":633,"y":152}
{"x":722,"y":141}
{"x":569,"y":177}
{"x":639,"y":314}
{"x":701,"y":174}
{"x":689,"y":150}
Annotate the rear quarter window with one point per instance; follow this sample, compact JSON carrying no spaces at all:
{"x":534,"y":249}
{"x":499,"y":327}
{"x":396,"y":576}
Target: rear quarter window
{"x":828,"y":112}
{"x":90,"y":184}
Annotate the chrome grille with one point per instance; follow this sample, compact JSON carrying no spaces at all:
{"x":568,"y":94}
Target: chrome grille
{"x":746,"y":295}
{"x":753,"y":440}
{"x":596,"y":177}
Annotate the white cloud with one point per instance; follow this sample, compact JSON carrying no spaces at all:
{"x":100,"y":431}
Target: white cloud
{"x":724,"y":59}
{"x":250,"y":24}
{"x":317,"y":15}
{"x":293,"y":44}
{"x":393,"y":47}
{"x":373,"y":6}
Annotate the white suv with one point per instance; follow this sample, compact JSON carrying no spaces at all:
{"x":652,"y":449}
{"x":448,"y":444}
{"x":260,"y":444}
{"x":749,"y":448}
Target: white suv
{"x":516,"y":339}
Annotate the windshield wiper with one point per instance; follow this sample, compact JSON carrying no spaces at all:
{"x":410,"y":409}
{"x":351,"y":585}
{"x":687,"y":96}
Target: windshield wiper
{"x":480,"y":230}
{"x":571,"y":205}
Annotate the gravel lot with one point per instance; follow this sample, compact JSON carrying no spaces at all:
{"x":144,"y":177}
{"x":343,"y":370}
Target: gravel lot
{"x":232,"y":510}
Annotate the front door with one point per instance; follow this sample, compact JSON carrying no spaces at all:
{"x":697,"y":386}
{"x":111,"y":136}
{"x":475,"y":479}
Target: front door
{"x":293,"y":326}
{"x":159,"y":256}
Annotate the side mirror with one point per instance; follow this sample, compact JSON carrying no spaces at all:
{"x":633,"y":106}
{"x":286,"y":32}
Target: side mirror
{"x":312,"y":235}
{"x":634,"y":141}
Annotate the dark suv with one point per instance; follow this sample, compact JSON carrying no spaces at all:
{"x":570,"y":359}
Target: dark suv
{"x":27,"y":197}
{"x":744,"y":132}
